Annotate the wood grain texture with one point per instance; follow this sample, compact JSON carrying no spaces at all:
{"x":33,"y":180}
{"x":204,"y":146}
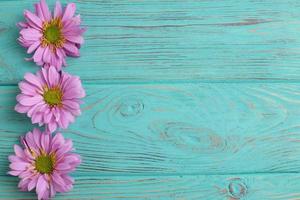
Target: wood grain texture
{"x":195,"y":99}
{"x":221,"y":187}
{"x":171,"y":40}
{"x":177,"y":129}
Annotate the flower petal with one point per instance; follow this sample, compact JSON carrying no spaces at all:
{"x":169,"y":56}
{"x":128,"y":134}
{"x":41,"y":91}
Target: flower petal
{"x":53,"y":76}
{"x":76,"y":39}
{"x":33,"y":20}
{"x":37,"y":137}
{"x":71,"y":49}
{"x":57,"y":10}
{"x":71,"y":104}
{"x":29,"y":101}
{"x":41,"y":187}
{"x":59,"y":182}
{"x":45,"y":10}
{"x":18,"y":166}
{"x":33,"y":47}
{"x":38,"y":55}
{"x":65,"y":148}
{"x":21,"y":109}
{"x":33,"y":79}
{"x":23,"y":184}
{"x":19,"y":151}
{"x":36,"y":117}
{"x":47,"y":55}
{"x":45,"y":139}
{"x":31,"y":34}
{"x":69,"y":11}
{"x":32,"y":183}
{"x":38,"y":11}
{"x":52,"y":126}
{"x":28,"y":89}
{"x":57,"y":141}
{"x":14,"y":173}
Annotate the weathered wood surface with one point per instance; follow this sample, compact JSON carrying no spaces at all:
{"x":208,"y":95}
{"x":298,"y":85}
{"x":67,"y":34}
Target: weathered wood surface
{"x":196,"y":187}
{"x":194,"y":99}
{"x":171,"y":40}
{"x":185,"y":128}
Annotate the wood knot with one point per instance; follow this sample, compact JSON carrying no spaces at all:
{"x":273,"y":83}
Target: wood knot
{"x":237,"y":188}
{"x":189,"y":137}
{"x":131,"y":107}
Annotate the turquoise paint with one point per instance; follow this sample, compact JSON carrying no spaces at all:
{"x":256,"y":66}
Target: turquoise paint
{"x":185,"y":100}
{"x":160,"y":40}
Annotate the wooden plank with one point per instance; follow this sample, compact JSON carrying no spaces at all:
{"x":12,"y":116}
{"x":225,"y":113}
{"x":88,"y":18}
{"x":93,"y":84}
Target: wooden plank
{"x":171,"y":40}
{"x":220,"y":187}
{"x":170,"y":129}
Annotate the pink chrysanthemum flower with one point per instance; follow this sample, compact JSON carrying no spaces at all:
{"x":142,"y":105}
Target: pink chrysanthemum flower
{"x":44,"y":163}
{"x":51,"y":38}
{"x":50,"y":97}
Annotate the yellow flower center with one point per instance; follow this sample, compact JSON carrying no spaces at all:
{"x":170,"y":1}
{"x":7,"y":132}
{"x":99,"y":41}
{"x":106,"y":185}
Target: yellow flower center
{"x":45,"y":164}
{"x":53,"y":96}
{"x":52,"y":33}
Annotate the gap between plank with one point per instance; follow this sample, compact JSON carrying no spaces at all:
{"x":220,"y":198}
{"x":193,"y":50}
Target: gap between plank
{"x":178,"y":82}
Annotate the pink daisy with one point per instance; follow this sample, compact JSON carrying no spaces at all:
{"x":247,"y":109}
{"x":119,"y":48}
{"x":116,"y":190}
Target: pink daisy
{"x":50,"y":97}
{"x":51,"y":38}
{"x":44,"y":163}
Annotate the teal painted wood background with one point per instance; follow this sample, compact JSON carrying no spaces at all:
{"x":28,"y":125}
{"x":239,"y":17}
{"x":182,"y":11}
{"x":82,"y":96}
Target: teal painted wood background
{"x":186,"y":100}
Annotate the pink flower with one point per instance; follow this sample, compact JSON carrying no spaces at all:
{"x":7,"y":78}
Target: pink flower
{"x":51,"y":38}
{"x":44,"y":163}
{"x":50,"y":97}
